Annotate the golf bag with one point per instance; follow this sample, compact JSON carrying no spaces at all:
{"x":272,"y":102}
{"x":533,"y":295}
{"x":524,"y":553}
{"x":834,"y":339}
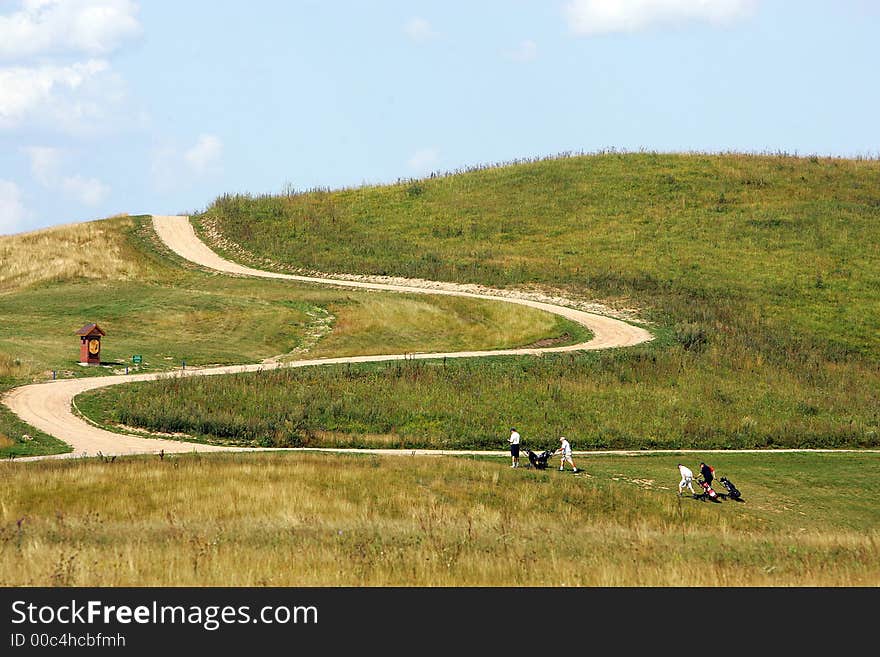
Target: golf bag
{"x":539,"y":459}
{"x":732,"y":491}
{"x":708,"y":493}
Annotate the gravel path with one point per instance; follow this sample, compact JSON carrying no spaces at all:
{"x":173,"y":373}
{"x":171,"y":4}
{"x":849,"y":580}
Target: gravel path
{"x":49,"y":406}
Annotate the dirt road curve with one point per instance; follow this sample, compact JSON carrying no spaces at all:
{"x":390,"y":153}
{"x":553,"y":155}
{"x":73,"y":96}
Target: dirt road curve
{"x":48,"y":406}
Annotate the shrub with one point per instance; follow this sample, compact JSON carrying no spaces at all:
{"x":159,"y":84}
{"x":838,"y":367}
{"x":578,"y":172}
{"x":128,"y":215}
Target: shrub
{"x":693,"y":337}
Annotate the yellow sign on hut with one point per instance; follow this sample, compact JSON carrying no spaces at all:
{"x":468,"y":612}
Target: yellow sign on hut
{"x":90,"y":344}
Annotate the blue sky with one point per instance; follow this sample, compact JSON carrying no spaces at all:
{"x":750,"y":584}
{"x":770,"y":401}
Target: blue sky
{"x":111,"y":106}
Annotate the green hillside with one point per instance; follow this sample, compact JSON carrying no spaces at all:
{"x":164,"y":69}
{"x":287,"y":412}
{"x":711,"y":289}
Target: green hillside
{"x":767,"y":245}
{"x":760,"y":274}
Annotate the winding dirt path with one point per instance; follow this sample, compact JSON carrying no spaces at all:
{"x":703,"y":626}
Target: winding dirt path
{"x":48,"y":406}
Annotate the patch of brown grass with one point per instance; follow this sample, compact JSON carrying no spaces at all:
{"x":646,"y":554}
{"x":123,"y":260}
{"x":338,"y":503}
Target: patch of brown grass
{"x":91,"y":250}
{"x":14,"y":367}
{"x":435,"y":323}
{"x":341,"y":439}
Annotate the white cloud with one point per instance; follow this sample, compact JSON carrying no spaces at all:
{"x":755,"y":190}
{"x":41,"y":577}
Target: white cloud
{"x":96,"y":27}
{"x":46,"y":167}
{"x":419,"y":30}
{"x":66,"y":96}
{"x":51,"y":81}
{"x":590,"y":17}
{"x":424,"y":161}
{"x":45,"y":162}
{"x":526,"y":52}
{"x":206,"y":155}
{"x":172,"y":166}
{"x":12,"y":211}
{"x":88,"y":191}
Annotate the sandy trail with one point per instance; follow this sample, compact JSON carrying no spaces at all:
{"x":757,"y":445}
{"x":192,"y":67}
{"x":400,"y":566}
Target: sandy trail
{"x":48,"y":406}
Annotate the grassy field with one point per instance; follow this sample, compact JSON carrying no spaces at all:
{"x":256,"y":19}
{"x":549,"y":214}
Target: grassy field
{"x":115,"y":273}
{"x":96,"y":250}
{"x":215,"y":320}
{"x":328,"y":520}
{"x":759,"y":275}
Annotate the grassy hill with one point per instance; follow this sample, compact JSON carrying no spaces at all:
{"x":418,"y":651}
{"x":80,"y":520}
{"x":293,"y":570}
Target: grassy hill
{"x":116,"y":273}
{"x":757,"y":244}
{"x":760,"y":274}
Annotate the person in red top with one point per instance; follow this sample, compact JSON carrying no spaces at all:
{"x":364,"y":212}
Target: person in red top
{"x":708,"y":472}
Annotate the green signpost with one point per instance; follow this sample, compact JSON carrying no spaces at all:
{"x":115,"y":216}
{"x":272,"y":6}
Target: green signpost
{"x":136,"y":359}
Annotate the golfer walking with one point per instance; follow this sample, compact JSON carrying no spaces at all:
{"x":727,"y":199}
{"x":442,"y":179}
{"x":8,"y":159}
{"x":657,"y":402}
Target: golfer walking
{"x":565,"y":450}
{"x":514,"y":447}
{"x":708,"y":472}
{"x":687,"y":479}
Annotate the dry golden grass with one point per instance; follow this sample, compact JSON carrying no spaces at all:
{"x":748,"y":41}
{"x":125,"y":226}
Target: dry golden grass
{"x":92,"y":250}
{"x":373,"y":440}
{"x":328,"y":520}
{"x":436,"y":323}
{"x":13,"y":367}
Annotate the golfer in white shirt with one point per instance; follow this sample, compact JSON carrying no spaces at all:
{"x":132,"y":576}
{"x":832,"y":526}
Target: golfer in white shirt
{"x":514,"y":447}
{"x":687,"y":478}
{"x":565,"y":450}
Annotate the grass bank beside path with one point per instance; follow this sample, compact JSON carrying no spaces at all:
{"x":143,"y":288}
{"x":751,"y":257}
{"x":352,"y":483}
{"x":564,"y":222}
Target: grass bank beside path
{"x":151,"y":303}
{"x":18,"y":438}
{"x":330,"y":520}
{"x":614,"y":400}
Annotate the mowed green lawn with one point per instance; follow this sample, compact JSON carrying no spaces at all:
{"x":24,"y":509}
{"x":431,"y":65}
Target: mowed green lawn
{"x":217,"y":320}
{"x":306,"y":519}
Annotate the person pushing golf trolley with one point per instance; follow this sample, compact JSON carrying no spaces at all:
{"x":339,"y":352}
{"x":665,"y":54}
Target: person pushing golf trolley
{"x":565,"y":450}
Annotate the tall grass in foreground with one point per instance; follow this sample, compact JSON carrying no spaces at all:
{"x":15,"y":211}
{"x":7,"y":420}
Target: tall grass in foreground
{"x":324,"y":520}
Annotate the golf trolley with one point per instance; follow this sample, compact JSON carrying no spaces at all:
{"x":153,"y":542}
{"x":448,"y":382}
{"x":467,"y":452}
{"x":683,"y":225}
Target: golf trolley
{"x":538,"y":460}
{"x":708,"y":492}
{"x":732,"y":491}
